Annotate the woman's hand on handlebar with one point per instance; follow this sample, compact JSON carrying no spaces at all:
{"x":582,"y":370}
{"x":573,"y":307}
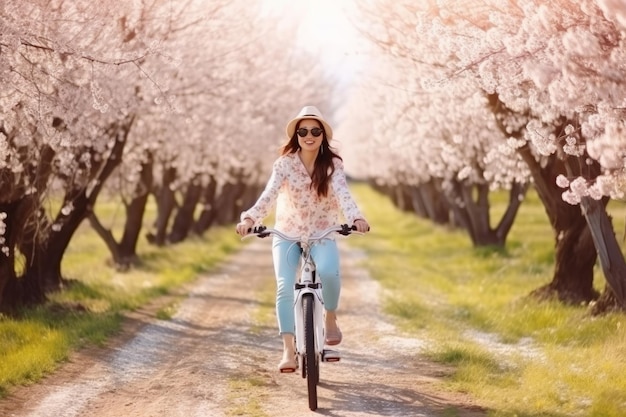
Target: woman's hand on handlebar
{"x":244,"y":227}
{"x":361,"y":225}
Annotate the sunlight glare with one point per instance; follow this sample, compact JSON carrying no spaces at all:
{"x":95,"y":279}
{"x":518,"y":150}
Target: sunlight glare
{"x":325,"y":28}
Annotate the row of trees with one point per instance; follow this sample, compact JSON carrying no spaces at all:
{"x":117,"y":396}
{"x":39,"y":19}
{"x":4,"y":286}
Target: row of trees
{"x":472,"y":96}
{"x":173,"y":100}
{"x":132,"y":99}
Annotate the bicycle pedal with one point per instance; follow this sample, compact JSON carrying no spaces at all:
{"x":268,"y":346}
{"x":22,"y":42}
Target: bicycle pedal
{"x":331,"y":355}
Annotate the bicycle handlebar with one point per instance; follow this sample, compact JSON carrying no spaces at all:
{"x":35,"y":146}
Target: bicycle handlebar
{"x":262,"y":231}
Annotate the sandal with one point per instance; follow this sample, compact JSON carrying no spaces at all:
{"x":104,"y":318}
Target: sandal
{"x":287,"y":366}
{"x":334,"y":337}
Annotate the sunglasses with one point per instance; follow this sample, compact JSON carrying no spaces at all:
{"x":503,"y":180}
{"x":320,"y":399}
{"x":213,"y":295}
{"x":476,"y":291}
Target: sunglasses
{"x":303,"y":131}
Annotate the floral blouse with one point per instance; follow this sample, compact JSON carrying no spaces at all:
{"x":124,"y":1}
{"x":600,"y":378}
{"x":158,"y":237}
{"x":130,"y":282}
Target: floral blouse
{"x":299,"y":210}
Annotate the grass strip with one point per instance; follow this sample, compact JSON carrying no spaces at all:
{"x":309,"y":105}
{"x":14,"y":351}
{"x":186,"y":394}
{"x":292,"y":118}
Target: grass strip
{"x":93,"y":306}
{"x":515,"y":355}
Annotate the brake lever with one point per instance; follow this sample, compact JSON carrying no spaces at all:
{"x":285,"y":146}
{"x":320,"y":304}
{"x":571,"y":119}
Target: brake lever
{"x":346,"y":230}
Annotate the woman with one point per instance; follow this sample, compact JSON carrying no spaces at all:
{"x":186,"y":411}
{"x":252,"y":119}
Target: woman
{"x":308,"y":186}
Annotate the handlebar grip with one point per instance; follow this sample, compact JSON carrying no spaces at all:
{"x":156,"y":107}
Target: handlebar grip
{"x":346,"y":230}
{"x":260,"y":231}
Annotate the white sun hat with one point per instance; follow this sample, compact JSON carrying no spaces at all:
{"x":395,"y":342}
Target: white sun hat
{"x":308,"y":112}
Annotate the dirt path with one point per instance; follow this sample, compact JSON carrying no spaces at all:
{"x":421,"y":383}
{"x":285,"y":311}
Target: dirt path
{"x":213,"y":359}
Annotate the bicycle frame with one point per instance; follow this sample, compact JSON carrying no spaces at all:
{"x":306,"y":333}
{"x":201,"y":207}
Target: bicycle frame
{"x":309,"y":352}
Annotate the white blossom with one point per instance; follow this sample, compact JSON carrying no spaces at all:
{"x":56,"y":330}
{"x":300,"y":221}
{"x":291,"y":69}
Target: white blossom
{"x":562,"y":181}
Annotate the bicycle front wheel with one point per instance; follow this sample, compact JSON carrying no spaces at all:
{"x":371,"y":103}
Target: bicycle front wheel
{"x":311,"y":358}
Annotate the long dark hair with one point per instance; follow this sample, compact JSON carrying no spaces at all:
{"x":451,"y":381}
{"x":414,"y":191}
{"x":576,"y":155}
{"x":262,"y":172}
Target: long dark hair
{"x":324,"y":166}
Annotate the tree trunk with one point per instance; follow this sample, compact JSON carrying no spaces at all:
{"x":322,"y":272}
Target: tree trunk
{"x":237,"y":206}
{"x":609,"y":251}
{"x":606,"y":303}
{"x":124,"y":253}
{"x":403,"y":198}
{"x":135,"y":211}
{"x":14,"y":292}
{"x":417,"y":202}
{"x":47,"y":261}
{"x":434,"y":204}
{"x":48,"y":254}
{"x":8,"y":284}
{"x":478,"y":215}
{"x":26,"y":224}
{"x":247,"y":197}
{"x":575,"y":254}
{"x":227,"y":207}
{"x":224,"y":203}
{"x":516,"y":196}
{"x":575,"y":258}
{"x":184,"y":217}
{"x":209,"y":208}
{"x":7,"y":257}
{"x":474,"y":213}
{"x":107,"y":237}
{"x":166,"y":204}
{"x":383,"y":189}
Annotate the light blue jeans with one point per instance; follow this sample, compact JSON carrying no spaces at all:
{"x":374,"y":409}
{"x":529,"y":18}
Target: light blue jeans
{"x":286,"y":258}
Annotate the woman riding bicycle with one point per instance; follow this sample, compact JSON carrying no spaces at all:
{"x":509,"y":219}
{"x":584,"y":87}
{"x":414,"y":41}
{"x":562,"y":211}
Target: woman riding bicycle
{"x":308,"y":186}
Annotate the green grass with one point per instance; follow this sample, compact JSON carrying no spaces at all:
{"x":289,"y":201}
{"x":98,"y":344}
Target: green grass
{"x":516,"y":356}
{"x":265,"y":313}
{"x":91,"y":309}
{"x":243,"y":399}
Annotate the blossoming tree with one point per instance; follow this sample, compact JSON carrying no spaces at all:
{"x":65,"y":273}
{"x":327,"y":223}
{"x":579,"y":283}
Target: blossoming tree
{"x":552,"y":77}
{"x":130,"y":98}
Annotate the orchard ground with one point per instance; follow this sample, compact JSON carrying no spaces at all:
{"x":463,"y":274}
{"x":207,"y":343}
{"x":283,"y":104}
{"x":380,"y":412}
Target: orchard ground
{"x":217,"y":357}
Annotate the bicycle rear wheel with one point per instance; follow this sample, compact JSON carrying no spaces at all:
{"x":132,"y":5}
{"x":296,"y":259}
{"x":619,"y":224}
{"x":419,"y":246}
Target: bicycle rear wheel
{"x":311,"y":358}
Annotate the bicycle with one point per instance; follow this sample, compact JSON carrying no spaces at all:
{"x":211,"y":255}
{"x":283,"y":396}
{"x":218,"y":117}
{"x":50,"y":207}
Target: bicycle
{"x":309,"y":308}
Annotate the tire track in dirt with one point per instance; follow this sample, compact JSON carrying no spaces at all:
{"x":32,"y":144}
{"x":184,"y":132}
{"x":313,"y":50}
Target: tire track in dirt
{"x":213,"y":359}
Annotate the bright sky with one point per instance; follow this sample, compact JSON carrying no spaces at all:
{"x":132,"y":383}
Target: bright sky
{"x":325,"y":29}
